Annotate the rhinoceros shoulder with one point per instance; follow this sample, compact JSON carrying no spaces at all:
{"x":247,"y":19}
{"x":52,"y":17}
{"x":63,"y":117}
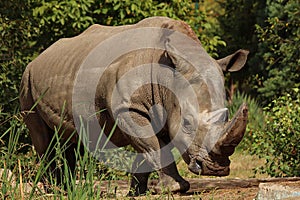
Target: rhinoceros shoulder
{"x":169,"y":23}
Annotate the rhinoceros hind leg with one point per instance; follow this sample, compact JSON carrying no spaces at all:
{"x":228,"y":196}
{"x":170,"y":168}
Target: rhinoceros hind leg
{"x":69,"y":154}
{"x":41,"y":136}
{"x":39,"y":132}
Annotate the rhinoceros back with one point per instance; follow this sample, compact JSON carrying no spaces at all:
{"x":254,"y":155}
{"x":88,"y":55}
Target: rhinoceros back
{"x":53,"y":72}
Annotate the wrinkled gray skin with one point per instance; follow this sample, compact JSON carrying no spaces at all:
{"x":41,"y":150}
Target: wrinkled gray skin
{"x":55,"y":71}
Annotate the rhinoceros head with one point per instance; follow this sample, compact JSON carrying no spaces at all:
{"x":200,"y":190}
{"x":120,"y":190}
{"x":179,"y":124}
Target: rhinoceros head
{"x":208,"y":136}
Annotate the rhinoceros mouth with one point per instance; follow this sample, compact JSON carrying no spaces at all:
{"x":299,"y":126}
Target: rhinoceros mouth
{"x":211,"y":166}
{"x":215,"y":165}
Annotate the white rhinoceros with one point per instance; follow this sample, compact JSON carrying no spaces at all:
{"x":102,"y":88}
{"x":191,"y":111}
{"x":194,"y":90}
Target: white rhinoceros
{"x":154,"y":81}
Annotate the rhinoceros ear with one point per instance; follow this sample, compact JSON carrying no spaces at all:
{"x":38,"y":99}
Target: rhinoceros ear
{"x":178,"y":59}
{"x":234,"y":62}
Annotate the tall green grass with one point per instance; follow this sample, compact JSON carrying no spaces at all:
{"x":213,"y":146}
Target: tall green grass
{"x":29,"y":170}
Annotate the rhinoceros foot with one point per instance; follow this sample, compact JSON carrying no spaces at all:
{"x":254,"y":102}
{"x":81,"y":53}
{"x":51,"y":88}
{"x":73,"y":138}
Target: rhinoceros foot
{"x":168,"y":184}
{"x":135,"y":193}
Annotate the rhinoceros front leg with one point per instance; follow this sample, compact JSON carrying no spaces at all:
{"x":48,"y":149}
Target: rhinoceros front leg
{"x":161,"y":160}
{"x":156,"y":153}
{"x":139,"y":182}
{"x":170,"y":180}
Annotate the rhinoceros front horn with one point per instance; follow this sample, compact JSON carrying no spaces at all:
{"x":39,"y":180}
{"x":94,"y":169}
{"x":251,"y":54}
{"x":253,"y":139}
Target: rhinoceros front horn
{"x":233,"y":132}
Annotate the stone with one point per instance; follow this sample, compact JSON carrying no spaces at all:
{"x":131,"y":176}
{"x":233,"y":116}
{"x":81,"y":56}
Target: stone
{"x":274,"y":191}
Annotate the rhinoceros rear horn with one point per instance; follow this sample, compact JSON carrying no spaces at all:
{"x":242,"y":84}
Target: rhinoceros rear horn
{"x":233,"y":132}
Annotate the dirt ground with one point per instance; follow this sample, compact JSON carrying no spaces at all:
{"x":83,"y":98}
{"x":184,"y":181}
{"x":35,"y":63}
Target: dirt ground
{"x":207,"y":189}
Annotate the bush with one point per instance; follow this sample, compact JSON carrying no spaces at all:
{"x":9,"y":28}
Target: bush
{"x":279,"y":140}
{"x":279,"y":47}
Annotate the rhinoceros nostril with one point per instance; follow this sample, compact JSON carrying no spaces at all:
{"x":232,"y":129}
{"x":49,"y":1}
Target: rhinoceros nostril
{"x":199,"y":164}
{"x":245,"y":109}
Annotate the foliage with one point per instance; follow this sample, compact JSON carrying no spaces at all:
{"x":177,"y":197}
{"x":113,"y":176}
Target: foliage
{"x":255,"y":118}
{"x":278,"y":142}
{"x":29,"y":27}
{"x":280,"y":44}
{"x":237,"y":23}
{"x":211,"y":33}
{"x":16,"y":51}
{"x":68,"y":18}
{"x":272,"y":133}
{"x":270,"y":30}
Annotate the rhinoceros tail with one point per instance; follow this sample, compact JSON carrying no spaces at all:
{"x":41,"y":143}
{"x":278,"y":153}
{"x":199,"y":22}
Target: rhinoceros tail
{"x":26,"y":100}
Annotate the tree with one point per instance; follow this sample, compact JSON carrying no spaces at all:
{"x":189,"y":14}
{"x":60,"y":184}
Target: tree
{"x":238,"y":31}
{"x":68,"y":17}
{"x":270,"y":30}
{"x":279,"y":47}
{"x":17,"y":40}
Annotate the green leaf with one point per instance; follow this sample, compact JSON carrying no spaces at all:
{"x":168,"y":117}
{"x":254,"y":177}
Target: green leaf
{"x":117,"y":6}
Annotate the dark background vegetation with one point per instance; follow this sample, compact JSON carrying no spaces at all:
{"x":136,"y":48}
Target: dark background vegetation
{"x":269,"y":82}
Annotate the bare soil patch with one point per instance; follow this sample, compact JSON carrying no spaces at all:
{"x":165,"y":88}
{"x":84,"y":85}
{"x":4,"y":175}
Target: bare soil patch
{"x":209,"y":188}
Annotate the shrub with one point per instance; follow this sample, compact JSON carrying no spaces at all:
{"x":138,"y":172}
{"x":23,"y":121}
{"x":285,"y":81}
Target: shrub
{"x":279,"y":47}
{"x":279,"y":140}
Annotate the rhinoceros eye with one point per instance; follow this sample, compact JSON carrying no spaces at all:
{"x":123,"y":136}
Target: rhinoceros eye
{"x":188,"y":124}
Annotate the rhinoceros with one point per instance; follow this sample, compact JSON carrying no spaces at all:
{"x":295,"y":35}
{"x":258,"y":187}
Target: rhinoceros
{"x":172,"y":96}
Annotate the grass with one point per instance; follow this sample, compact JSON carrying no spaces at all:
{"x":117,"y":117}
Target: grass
{"x":243,"y":164}
{"x":28,"y":171}
{"x":21,"y":174}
